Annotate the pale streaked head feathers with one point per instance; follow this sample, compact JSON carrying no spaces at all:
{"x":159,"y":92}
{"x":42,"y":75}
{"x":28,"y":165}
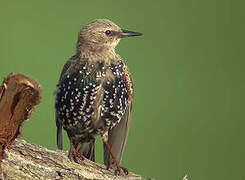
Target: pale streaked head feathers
{"x":99,"y":34}
{"x":100,"y":37}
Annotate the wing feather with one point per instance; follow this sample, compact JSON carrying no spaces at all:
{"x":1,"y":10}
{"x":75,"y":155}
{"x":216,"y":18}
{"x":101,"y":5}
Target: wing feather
{"x":117,"y":137}
{"x":58,"y":122}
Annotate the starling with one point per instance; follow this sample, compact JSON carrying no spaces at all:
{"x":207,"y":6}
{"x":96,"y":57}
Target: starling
{"x":94,"y":95}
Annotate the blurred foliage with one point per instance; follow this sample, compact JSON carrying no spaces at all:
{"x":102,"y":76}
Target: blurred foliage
{"x":188,"y":71}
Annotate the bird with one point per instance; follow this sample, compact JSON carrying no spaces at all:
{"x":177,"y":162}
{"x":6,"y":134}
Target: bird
{"x":94,"y":95}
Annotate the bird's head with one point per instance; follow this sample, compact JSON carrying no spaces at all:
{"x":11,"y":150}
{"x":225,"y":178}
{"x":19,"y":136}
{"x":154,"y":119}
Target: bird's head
{"x":102,"y":34}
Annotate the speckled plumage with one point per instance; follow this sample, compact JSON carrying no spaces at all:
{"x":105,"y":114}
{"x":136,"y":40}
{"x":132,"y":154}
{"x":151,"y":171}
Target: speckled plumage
{"x":93,"y":98}
{"x":95,"y":92}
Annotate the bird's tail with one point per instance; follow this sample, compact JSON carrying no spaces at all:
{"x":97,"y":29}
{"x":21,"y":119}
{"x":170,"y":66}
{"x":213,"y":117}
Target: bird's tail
{"x":87,"y":149}
{"x":59,"y":136}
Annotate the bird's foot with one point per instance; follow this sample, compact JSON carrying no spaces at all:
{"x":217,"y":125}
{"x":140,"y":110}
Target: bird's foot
{"x":75,"y":156}
{"x":121,"y":171}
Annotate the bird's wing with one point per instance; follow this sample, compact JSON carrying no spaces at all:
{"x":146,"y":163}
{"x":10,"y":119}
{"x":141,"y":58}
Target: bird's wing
{"x":117,"y":137}
{"x":58,"y":122}
{"x":78,"y":90}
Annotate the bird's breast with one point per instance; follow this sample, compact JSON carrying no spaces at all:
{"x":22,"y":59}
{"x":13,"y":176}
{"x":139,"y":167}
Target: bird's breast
{"x":92,"y":99}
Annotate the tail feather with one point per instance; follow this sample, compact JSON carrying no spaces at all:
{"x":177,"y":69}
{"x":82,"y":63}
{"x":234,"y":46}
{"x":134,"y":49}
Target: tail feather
{"x":59,"y":136}
{"x":87,"y":149}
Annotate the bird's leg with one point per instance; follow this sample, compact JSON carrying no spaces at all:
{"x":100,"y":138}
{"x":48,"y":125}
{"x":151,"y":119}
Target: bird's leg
{"x":74,"y":155}
{"x":119,"y":169}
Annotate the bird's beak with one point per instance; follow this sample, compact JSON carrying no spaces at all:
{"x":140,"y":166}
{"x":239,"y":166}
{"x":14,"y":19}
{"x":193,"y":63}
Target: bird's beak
{"x":126,"y":33}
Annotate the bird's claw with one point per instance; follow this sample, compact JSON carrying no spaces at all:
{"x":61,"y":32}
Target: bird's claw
{"x":108,"y":167}
{"x":121,"y":171}
{"x":125,"y":170}
{"x":75,"y":156}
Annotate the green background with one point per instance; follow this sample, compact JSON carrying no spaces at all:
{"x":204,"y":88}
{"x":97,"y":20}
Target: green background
{"x":188,"y":71}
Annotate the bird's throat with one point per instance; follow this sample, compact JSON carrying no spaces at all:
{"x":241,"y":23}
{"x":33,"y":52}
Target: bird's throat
{"x":95,"y":53}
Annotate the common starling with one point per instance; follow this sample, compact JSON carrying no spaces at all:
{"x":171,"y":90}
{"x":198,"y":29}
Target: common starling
{"x":94,"y":95}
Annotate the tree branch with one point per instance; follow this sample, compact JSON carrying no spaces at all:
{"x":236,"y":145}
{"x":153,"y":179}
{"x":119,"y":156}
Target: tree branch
{"x":19,"y":94}
{"x":28,"y":161}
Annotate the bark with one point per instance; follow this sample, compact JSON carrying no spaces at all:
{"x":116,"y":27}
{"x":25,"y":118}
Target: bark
{"x":18,"y":96}
{"x":28,"y":161}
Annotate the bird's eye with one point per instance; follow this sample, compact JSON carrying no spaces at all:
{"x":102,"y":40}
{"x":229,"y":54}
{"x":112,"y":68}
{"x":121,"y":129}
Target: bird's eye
{"x":107,"y":32}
